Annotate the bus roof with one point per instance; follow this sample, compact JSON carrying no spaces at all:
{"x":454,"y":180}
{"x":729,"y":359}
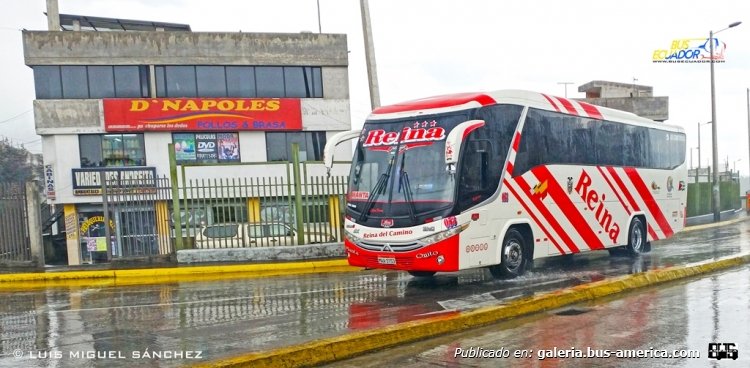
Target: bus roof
{"x":462,"y":101}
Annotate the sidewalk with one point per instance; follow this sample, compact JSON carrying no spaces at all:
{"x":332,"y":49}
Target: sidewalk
{"x":256,"y":262}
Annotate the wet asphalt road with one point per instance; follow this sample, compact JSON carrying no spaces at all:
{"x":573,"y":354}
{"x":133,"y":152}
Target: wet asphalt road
{"x":197,"y":321}
{"x":681,"y":318}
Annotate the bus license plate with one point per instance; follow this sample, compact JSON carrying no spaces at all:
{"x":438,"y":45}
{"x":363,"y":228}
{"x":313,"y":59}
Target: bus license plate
{"x":387,"y":260}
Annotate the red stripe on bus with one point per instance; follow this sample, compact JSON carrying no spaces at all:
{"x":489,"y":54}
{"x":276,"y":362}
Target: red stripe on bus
{"x":642,"y":189}
{"x":567,"y":105}
{"x":471,"y":128}
{"x":630,"y":198}
{"x":547,"y":215}
{"x":516,"y":141}
{"x":510,"y":168}
{"x":590,"y":109}
{"x":567,"y":207}
{"x":627,"y":209}
{"x":551,"y":101}
{"x":533,"y":217}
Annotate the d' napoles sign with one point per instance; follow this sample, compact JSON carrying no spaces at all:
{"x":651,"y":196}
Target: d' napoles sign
{"x":202,"y":114}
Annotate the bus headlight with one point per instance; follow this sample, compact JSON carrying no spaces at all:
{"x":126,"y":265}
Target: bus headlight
{"x":435,"y":238}
{"x":351,"y":238}
{"x":440,"y":259}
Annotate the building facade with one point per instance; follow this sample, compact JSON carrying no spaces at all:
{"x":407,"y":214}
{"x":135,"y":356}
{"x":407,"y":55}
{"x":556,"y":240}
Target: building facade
{"x":630,"y":97}
{"x":112,"y":94}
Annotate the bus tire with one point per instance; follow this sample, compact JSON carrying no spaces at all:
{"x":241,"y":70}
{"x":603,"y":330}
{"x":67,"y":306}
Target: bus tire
{"x":513,"y":256}
{"x":422,"y":273}
{"x":636,"y":237}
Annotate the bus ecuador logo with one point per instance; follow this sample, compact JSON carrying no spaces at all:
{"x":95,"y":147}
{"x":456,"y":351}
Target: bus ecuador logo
{"x":595,"y":202}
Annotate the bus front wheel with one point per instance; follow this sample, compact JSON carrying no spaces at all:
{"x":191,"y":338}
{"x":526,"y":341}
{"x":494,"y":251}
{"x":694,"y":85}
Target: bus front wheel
{"x":512,"y":258}
{"x":637,"y":237}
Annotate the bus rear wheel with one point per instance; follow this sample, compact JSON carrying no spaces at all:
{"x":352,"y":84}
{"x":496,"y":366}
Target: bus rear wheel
{"x":513,"y":257}
{"x":422,"y":273}
{"x":636,"y":238}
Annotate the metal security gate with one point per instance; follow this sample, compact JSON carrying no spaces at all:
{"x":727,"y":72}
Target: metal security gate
{"x":138,"y":208}
{"x":14,"y":232}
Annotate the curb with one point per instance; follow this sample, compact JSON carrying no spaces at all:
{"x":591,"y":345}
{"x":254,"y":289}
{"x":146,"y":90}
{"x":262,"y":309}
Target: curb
{"x":347,"y":346}
{"x":156,"y":275}
{"x":715,"y":224}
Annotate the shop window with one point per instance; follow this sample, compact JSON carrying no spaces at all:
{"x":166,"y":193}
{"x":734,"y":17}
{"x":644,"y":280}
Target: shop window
{"x":93,"y":81}
{"x":47,"y":82}
{"x":238,"y":81}
{"x":270,"y":81}
{"x":206,"y":147}
{"x":241,"y":81}
{"x":112,"y":150}
{"x":74,"y":82}
{"x":279,"y":145}
{"x":211,"y":81}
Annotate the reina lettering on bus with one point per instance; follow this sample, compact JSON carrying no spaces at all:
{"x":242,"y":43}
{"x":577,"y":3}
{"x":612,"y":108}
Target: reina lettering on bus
{"x":594,"y":201}
{"x":379,"y":137}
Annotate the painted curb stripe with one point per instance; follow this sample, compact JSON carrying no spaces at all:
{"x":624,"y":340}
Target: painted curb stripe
{"x":198,"y":272}
{"x":350,"y":345}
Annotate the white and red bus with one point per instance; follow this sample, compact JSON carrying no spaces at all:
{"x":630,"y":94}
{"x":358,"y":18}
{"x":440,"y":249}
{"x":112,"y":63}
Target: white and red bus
{"x":498,"y":179}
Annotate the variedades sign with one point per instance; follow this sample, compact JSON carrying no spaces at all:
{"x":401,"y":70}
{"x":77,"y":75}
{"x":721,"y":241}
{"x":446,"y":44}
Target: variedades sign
{"x":201,"y":114}
{"x":88,"y":181}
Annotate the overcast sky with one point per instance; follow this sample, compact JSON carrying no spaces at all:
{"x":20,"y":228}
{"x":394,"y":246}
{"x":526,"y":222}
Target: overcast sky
{"x":430,"y":47}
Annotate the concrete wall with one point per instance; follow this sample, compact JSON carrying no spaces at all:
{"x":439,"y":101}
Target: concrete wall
{"x":184,"y":48}
{"x":68,"y":116}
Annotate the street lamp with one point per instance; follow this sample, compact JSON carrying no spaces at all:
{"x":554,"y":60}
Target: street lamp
{"x":566,"y":87}
{"x":734,"y":164}
{"x":716,"y":204}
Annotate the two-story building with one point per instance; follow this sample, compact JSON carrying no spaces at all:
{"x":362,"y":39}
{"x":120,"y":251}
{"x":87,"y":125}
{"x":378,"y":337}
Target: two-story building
{"x":112,"y":94}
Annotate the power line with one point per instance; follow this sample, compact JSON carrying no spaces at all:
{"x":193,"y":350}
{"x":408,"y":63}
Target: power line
{"x":14,"y":117}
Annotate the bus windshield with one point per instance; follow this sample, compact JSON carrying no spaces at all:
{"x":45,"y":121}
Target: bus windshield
{"x":399,"y":167}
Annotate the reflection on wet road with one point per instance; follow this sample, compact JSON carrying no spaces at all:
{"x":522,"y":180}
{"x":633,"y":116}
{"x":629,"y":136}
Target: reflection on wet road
{"x":677,"y":322}
{"x":222,"y":318}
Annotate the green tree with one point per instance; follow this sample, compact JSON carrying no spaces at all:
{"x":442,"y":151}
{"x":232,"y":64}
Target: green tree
{"x":17,"y":164}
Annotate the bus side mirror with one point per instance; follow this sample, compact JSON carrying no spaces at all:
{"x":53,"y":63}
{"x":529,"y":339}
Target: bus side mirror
{"x":331,"y":146}
{"x":455,"y":137}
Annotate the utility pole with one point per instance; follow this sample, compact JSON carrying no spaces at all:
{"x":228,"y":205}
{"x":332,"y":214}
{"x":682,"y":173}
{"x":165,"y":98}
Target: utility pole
{"x":566,"y":87}
{"x":748,"y":124}
{"x":372,"y":73}
{"x":320,"y":30}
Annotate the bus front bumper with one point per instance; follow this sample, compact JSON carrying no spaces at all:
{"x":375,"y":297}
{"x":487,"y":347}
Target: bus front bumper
{"x":439,"y":257}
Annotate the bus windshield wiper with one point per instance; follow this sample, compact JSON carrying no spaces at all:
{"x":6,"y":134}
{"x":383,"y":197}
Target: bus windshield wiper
{"x":379,"y":188}
{"x":403,"y":182}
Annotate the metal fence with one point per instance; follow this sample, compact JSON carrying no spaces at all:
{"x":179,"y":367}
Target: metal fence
{"x":14,"y":232}
{"x":214,"y":213}
{"x":260,"y":212}
{"x":137,"y":212}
